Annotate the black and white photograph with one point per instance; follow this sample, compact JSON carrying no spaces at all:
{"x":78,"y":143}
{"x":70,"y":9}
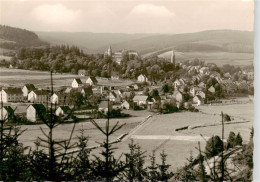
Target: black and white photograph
{"x":127,"y":90}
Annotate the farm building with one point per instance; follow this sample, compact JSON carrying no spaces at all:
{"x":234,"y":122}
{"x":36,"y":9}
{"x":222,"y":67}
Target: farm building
{"x":6,"y":113}
{"x":27,"y":88}
{"x":33,"y":111}
{"x":62,"y":110}
{"x":76,"y":83}
{"x":91,"y":81}
{"x":11,"y":95}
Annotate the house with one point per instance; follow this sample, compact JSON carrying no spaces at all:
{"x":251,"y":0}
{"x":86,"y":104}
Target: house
{"x":202,"y":85}
{"x":58,"y":98}
{"x":91,"y":81}
{"x":178,"y":96}
{"x":6,"y":113}
{"x":198,"y":100}
{"x":62,"y":110}
{"x":38,"y":96}
{"x":86,"y":91}
{"x":204,"y":70}
{"x":104,"y":106}
{"x":68,"y":90}
{"x":82,"y":72}
{"x":34,"y":111}
{"x":112,"y":96}
{"x":212,"y":89}
{"x":11,"y":95}
{"x":178,"y":83}
{"x":125,"y":105}
{"x":227,"y":75}
{"x":116,"y":106}
{"x":27,"y":88}
{"x":140,"y":100}
{"x":202,"y":94}
{"x":76,"y":83}
{"x":136,"y":87}
{"x":242,"y":85}
{"x":142,"y":78}
{"x":98,"y":90}
{"x":195,"y":90}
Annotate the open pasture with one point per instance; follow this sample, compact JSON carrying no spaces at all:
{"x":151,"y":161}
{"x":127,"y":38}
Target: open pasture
{"x":19,"y":77}
{"x":219,"y":58}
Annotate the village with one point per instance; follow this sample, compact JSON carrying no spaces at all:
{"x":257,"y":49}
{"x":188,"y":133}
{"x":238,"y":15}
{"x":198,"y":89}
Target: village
{"x":87,"y":96}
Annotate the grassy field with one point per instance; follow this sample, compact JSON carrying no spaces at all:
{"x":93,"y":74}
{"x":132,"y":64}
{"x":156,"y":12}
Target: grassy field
{"x":18,"y":77}
{"x":220,"y":58}
{"x":158,"y":132}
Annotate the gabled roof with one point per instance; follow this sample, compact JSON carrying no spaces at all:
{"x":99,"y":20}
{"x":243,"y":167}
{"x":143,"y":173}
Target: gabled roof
{"x":13,"y":90}
{"x":94,"y":80}
{"x":65,"y":108}
{"x":41,"y":92}
{"x":39,"y":108}
{"x":78,"y":80}
{"x":9,"y":109}
{"x":140,"y":98}
{"x":199,"y":97}
{"x":30,"y":86}
{"x":87,"y":90}
{"x":103,"y":104}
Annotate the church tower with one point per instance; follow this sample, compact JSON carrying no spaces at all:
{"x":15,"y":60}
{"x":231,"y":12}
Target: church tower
{"x":109,"y":51}
{"x":173,"y":57}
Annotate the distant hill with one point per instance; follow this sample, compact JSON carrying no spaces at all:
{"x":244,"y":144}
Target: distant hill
{"x":12,"y":38}
{"x":89,"y":42}
{"x":147,"y":44}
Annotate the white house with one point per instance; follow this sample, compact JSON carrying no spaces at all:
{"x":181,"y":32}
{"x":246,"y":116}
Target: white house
{"x":11,"y":95}
{"x":33,"y":111}
{"x":6,"y":112}
{"x":198,"y":100}
{"x":58,"y":98}
{"x":103,"y":106}
{"x":142,"y":78}
{"x":38,"y":96}
{"x":195,"y":90}
{"x":91,"y":81}
{"x":140,"y":100}
{"x":178,"y":96}
{"x":62,"y":110}
{"x":125,"y":105}
{"x":76,"y":83}
{"x":212,"y":89}
{"x":27,"y":88}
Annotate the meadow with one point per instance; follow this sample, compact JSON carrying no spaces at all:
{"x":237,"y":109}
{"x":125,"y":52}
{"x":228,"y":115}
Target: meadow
{"x":219,"y":58}
{"x":158,"y":132}
{"x":19,"y":77}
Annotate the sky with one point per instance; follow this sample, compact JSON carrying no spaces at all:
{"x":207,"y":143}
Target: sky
{"x":128,"y":16}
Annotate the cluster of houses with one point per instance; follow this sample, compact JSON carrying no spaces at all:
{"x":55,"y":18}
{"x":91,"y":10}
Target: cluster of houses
{"x":120,"y":97}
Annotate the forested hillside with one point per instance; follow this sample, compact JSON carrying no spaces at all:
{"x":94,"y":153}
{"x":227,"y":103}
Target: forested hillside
{"x":15,"y":38}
